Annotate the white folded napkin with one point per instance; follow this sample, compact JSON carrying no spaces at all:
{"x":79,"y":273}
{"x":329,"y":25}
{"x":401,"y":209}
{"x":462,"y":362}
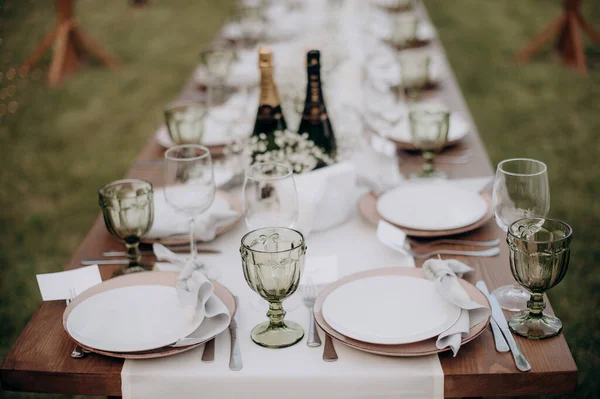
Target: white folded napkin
{"x":195,"y":293}
{"x":444,"y":274}
{"x":168,"y":223}
{"x":326,"y":197}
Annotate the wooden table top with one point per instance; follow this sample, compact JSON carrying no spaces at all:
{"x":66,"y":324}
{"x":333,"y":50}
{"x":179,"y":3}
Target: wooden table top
{"x":40,"y":359}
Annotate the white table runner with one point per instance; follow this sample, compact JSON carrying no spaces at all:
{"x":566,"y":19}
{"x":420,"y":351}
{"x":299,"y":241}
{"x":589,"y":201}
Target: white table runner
{"x":298,"y":371}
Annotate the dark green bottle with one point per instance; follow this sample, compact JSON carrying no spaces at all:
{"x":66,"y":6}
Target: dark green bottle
{"x":315,"y":120}
{"x":269,"y":117}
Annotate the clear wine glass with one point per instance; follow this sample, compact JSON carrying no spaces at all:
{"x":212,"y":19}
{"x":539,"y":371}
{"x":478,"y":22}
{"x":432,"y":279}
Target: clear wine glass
{"x":520,"y":191}
{"x":292,"y":101}
{"x":190,"y":187}
{"x":270,"y":197}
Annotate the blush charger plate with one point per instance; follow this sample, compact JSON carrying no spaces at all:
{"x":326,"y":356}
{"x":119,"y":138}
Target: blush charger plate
{"x":168,"y":279}
{"x":163,"y":139}
{"x":233,"y":202}
{"x":422,"y":348}
{"x":367,"y":206}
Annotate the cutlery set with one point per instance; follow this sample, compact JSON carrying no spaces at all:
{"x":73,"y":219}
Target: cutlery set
{"x":146,"y":252}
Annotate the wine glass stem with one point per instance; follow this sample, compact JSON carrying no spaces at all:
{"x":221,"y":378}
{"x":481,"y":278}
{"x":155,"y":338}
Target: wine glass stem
{"x":133,"y":254}
{"x":193,"y":250}
{"x":428,"y":167}
{"x":276,"y":314}
{"x":536,"y":305}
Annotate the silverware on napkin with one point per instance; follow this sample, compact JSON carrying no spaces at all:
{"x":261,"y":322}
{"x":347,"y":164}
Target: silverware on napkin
{"x":498,"y":316}
{"x":309,"y":296}
{"x":501,"y":345}
{"x":329,"y":353}
{"x":235,"y":356}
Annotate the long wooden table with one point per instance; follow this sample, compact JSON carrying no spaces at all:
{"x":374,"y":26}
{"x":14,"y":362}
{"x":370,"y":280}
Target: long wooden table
{"x":40,"y":359}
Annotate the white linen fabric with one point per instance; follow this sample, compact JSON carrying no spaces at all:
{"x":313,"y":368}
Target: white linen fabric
{"x":326,"y":197}
{"x":168,"y":223}
{"x":195,"y":293}
{"x":444,"y":273}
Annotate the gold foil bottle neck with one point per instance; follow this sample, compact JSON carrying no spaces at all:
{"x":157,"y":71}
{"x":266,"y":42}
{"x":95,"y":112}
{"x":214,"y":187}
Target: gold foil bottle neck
{"x":265,"y":57}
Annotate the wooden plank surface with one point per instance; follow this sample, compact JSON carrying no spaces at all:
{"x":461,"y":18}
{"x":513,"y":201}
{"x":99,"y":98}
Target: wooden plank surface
{"x":40,"y":362}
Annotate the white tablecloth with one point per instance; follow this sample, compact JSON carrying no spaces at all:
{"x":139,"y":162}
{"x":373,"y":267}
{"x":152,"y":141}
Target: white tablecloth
{"x":298,"y":371}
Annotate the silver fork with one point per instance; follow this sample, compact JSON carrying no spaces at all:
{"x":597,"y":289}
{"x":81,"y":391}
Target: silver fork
{"x":78,"y":351}
{"x":309,"y":296}
{"x":424,"y":255}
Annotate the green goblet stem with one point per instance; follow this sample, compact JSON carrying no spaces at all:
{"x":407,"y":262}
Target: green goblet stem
{"x":428,"y":166}
{"x":275,"y":314}
{"x":536,"y":306}
{"x":133,"y":254}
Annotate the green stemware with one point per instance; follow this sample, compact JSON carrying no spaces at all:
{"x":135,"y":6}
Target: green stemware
{"x":185,"y":122}
{"x":128,"y":209}
{"x":539,"y":259}
{"x":429,"y":125}
{"x":272,"y":260}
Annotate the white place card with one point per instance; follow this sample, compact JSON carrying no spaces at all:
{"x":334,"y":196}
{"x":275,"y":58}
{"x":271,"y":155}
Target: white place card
{"x":320,"y":270}
{"x":55,"y":286}
{"x":390,"y":235}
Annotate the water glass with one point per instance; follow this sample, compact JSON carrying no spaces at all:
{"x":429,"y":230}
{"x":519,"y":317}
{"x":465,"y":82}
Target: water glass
{"x":218,"y":61}
{"x":539,"y":250}
{"x":270,"y":196}
{"x":520,"y":190}
{"x":190,"y":187}
{"x":429,"y":125}
{"x":272,"y":262}
{"x":185,"y":122}
{"x":128,"y":209}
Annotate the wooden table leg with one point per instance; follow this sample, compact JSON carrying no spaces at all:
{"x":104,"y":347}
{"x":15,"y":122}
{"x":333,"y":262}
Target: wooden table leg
{"x":570,"y":42}
{"x":70,"y":44}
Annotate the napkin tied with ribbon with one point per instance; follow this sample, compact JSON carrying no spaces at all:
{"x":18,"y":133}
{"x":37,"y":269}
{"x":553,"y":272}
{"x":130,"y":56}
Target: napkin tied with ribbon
{"x":445,"y":274}
{"x":200,"y":307}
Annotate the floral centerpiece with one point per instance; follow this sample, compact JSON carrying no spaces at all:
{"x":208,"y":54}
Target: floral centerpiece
{"x":293,"y":149}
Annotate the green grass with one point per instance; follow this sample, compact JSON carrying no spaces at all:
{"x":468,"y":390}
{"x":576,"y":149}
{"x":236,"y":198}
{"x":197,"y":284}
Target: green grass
{"x":62,"y":144}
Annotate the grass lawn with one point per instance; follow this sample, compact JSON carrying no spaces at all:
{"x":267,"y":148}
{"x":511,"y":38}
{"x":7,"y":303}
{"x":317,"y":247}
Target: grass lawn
{"x":59,"y":145}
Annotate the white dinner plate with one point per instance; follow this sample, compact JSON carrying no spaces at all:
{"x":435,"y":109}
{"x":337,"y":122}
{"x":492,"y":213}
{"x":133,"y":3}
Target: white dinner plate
{"x":458,"y":129}
{"x":131,"y":319}
{"x":431,"y":206}
{"x":389,"y":310}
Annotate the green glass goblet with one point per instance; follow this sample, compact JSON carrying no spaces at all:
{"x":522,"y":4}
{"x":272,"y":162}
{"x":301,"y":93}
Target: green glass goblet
{"x":414,"y":71}
{"x":429,"y":125}
{"x":404,"y":29}
{"x":185,"y":122}
{"x":272,"y":260}
{"x":539,"y":257}
{"x":128,"y":209}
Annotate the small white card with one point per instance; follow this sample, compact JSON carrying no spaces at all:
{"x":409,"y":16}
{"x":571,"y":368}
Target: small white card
{"x":390,"y":235}
{"x":320,"y":270}
{"x":55,"y":286}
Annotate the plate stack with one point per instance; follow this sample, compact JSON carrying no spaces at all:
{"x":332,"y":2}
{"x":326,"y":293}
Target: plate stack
{"x":136,"y":316}
{"x":392,"y":312}
{"x":429,"y":209}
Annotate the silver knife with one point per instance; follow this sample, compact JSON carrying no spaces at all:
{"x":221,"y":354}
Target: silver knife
{"x":501,"y":345}
{"x":498,"y":315}
{"x":235,"y":356}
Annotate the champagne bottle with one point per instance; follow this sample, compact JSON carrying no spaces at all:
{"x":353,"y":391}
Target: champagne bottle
{"x":269,"y":117}
{"x":315,"y":121}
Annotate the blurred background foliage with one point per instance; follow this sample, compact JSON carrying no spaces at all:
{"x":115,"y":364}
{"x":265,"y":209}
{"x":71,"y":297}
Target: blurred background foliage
{"x":59,"y":145}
